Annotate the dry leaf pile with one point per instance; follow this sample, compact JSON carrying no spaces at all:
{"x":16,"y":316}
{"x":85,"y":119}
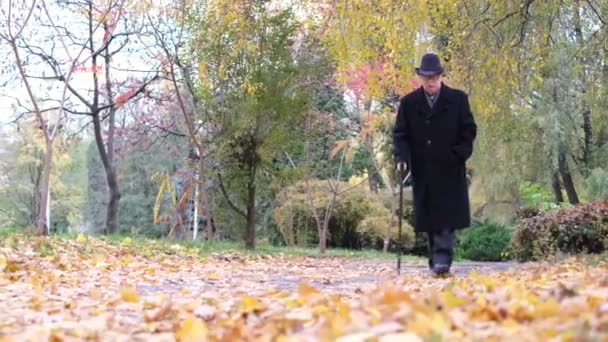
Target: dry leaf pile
{"x":68,"y":290}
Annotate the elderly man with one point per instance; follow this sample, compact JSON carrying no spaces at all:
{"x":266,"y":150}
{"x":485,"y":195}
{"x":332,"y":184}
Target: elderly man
{"x":433,"y":137}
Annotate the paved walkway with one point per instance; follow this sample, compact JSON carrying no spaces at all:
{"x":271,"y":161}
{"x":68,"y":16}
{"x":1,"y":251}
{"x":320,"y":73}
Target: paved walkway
{"x":332,"y":274}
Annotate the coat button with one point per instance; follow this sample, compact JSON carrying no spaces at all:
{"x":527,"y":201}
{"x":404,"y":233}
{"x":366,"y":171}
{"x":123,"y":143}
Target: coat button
{"x":428,"y":142}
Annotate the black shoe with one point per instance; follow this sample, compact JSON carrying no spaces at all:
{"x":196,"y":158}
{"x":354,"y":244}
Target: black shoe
{"x":441,"y":269}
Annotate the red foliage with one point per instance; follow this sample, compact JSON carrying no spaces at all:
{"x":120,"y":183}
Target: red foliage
{"x":580,"y":228}
{"x":122,"y":98}
{"x":84,"y":68}
{"x":382,"y":73}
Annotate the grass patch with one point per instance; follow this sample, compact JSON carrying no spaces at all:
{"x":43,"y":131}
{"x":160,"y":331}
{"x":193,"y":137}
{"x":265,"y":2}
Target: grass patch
{"x":8,"y":231}
{"x":596,"y":259}
{"x":148,"y":246}
{"x":223,"y":246}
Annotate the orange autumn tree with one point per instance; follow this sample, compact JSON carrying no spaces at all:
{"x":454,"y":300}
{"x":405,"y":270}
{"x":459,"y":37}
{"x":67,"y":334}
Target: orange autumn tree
{"x":375,"y":47}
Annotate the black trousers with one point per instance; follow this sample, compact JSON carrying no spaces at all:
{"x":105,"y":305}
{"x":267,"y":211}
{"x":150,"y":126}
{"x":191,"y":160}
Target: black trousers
{"x":440,"y":241}
{"x":441,"y":247}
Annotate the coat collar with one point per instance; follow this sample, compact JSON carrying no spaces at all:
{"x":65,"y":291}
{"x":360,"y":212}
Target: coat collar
{"x":440,"y":104}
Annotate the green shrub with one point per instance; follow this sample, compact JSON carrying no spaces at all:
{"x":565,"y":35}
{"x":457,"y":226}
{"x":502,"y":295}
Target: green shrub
{"x":536,"y":196}
{"x":597,"y":184}
{"x":360,"y":219}
{"x":484,"y":241}
{"x":579,"y":229}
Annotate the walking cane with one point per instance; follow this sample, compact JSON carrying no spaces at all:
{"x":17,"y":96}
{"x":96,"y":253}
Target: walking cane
{"x":404,"y":175}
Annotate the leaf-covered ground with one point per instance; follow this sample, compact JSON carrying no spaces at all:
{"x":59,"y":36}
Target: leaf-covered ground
{"x":84,"y":288}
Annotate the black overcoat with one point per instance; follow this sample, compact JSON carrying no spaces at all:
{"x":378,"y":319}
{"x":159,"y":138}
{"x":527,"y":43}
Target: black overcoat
{"x":436,"y":144}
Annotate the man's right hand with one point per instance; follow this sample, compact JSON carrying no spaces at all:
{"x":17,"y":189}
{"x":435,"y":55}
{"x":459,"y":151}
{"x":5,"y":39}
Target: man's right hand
{"x":401,"y":166}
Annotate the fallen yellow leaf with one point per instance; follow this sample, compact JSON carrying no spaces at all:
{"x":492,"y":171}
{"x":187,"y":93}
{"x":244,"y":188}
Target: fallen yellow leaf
{"x":356,"y":337}
{"x":159,"y":313}
{"x":35,"y":303}
{"x":392,"y":296}
{"x":129,"y":294}
{"x":343,"y":309}
{"x":451,"y":300}
{"x":547,"y":309}
{"x":81,"y":238}
{"x":306,"y":290}
{"x":376,"y":316}
{"x":94,"y":293}
{"x":400,"y":337}
{"x":251,"y":304}
{"x":191,"y":329}
{"x":422,"y":325}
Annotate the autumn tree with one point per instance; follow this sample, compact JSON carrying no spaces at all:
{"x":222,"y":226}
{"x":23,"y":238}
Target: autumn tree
{"x":252,"y":81}
{"x":375,"y":47}
{"x":18,"y":18}
{"x":535,"y":58}
{"x":174,"y":27}
{"x":103,"y":87}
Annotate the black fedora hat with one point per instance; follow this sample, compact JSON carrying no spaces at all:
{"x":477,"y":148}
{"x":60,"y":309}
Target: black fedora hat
{"x":430,"y":65}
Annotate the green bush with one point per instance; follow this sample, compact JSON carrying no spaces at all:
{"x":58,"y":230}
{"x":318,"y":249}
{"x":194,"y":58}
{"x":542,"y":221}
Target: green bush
{"x":484,"y":241}
{"x":360,"y":219}
{"x":538,"y":197}
{"x":597,"y":184}
{"x":579,"y":229}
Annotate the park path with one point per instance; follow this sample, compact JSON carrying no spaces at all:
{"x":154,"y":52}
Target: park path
{"x":333,"y":274}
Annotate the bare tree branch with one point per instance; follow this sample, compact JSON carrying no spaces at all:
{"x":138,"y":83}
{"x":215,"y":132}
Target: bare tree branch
{"x":507,"y":16}
{"x":525,"y":13}
{"x":585,"y":44}
{"x":58,"y":108}
{"x":80,"y":97}
{"x":139,"y":90}
{"x":27,"y":18}
{"x":596,"y":12}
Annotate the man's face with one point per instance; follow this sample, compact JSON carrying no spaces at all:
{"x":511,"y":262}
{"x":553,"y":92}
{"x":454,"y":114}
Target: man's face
{"x":431,"y":84}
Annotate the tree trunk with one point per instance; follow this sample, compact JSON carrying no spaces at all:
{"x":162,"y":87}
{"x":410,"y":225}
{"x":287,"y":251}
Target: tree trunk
{"x":210,"y":203}
{"x":372,"y":180}
{"x":330,"y":207}
{"x":203,"y":201}
{"x":587,"y":149}
{"x":324,"y":228}
{"x":557,"y":188}
{"x":567,"y":179}
{"x":323,"y":238}
{"x":112,"y":212}
{"x":43,"y":193}
{"x":369,"y":143}
{"x":114,"y":194}
{"x":250,"y":229}
{"x":586,"y":111}
{"x":196,"y":205}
